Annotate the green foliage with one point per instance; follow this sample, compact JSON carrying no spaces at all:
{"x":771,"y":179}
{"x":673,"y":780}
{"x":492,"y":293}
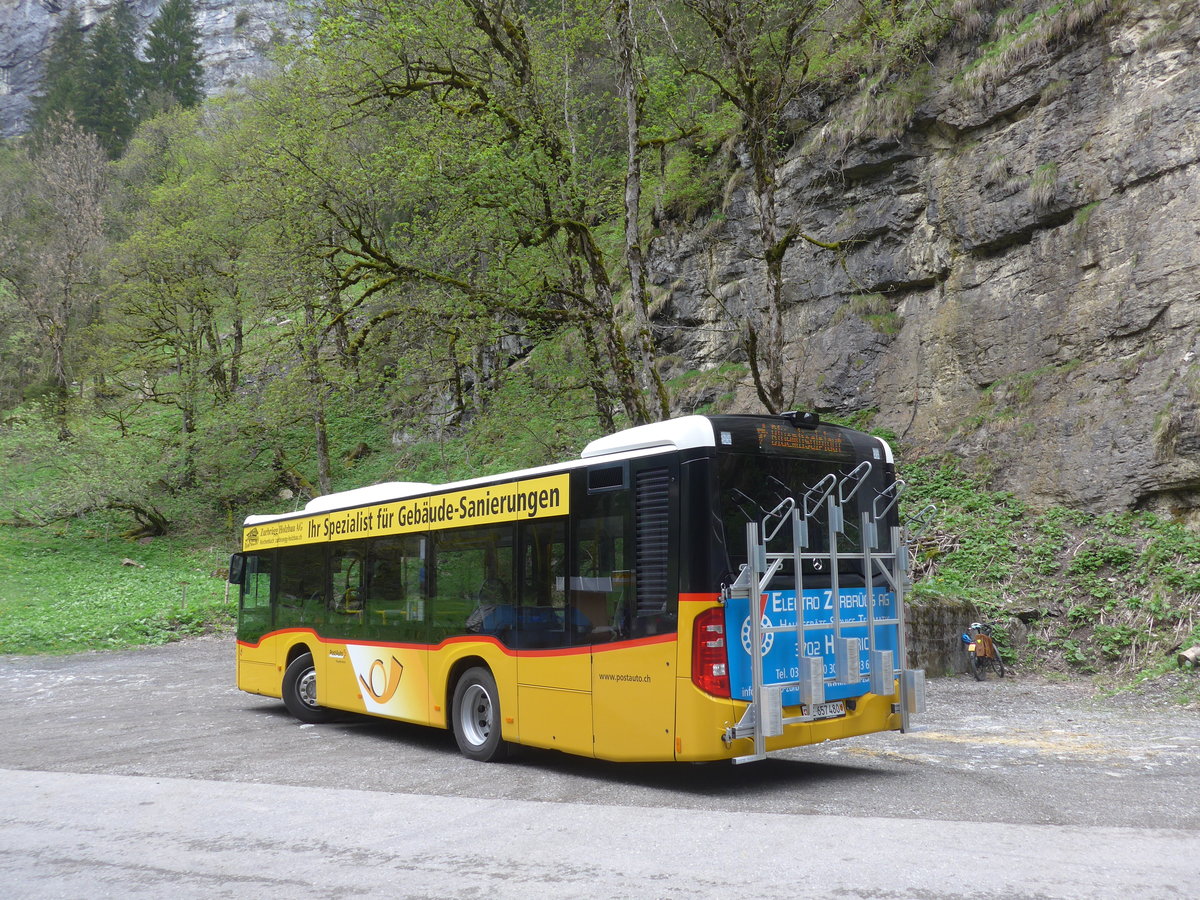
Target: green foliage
{"x":690,"y":185}
{"x":173,"y":70}
{"x":1115,"y":592}
{"x":112,"y":85}
{"x":706,"y":390}
{"x":99,"y":82}
{"x":1097,"y":554}
{"x":1043,"y":186}
{"x":63,"y":82}
{"x":1022,"y":32}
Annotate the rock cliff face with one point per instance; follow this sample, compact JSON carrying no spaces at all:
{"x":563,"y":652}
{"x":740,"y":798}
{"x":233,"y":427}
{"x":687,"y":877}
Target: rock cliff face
{"x":236,"y":35}
{"x":1023,"y":283}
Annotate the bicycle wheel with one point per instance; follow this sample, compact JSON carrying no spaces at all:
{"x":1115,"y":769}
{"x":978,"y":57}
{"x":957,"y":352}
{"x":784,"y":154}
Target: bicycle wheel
{"x":976,"y":668}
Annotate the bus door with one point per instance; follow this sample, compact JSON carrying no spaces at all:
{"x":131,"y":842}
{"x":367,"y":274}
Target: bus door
{"x":621,"y":575}
{"x":554,"y":703}
{"x":256,"y":668}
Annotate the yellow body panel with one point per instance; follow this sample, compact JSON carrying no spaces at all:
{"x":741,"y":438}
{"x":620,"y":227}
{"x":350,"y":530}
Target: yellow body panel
{"x":633,"y":701}
{"x":257,"y":670}
{"x":629,"y":702}
{"x":554,"y":700}
{"x":556,"y":719}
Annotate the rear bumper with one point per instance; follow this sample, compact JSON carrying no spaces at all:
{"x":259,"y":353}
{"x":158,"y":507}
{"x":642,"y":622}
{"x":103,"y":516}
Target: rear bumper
{"x":703,"y":721}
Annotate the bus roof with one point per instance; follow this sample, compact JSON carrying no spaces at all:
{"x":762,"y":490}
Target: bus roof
{"x":643,"y":440}
{"x":684,"y":433}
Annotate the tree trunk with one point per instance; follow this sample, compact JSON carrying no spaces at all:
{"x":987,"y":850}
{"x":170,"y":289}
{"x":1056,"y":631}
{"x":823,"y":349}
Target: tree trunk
{"x":311,"y":349}
{"x":770,"y":340}
{"x":651,"y":382}
{"x":628,"y":388}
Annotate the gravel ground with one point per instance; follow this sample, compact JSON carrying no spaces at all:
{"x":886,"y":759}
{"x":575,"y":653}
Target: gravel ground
{"x":1021,"y":749}
{"x":147,"y":773}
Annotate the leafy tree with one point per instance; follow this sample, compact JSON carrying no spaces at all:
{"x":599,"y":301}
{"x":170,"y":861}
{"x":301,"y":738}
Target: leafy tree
{"x":522,"y":95}
{"x":62,"y":88}
{"x":631,"y":94}
{"x":111,"y":91}
{"x":178,"y":275}
{"x":19,"y":367}
{"x":88,"y":471}
{"x":174,"y":74}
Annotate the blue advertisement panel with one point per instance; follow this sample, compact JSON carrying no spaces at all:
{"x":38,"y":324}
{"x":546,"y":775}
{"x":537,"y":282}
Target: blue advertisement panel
{"x":781,"y":662}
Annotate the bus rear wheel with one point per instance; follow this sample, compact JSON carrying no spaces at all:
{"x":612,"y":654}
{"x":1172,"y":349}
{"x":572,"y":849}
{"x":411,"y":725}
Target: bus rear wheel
{"x":476,"y":717}
{"x":300,"y":691}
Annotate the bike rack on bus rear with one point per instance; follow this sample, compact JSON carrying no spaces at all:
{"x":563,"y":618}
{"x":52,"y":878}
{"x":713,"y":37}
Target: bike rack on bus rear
{"x":764,"y":716}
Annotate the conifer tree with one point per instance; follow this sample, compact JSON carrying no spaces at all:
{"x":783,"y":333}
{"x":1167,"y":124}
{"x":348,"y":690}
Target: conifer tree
{"x":61,"y":95}
{"x":173,"y":71}
{"x":111,"y":91}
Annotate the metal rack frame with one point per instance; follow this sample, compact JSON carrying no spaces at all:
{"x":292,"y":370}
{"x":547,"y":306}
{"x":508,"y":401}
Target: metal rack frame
{"x":764,"y":717}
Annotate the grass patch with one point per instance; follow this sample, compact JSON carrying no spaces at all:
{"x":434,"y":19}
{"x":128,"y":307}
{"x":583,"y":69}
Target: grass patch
{"x":1021,"y":33}
{"x":66,"y":590}
{"x":1113,"y":594}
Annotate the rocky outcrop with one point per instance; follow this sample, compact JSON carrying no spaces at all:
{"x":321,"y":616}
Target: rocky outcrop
{"x":1022,"y":285}
{"x":236,"y":38}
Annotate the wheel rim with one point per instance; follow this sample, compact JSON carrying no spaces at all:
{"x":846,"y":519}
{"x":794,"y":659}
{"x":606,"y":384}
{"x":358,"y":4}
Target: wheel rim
{"x":306,"y":689}
{"x":475,"y":715}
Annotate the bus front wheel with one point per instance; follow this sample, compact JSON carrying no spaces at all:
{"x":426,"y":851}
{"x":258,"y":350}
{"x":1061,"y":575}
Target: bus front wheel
{"x":300,"y":691}
{"x":476,"y":717}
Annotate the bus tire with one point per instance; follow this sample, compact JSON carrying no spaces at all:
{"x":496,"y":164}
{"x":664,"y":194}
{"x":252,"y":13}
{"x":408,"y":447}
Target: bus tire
{"x":475,"y":717}
{"x":300,"y":691}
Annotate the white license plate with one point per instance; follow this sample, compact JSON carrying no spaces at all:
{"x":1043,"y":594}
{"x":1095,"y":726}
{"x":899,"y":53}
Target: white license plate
{"x":830,"y":710}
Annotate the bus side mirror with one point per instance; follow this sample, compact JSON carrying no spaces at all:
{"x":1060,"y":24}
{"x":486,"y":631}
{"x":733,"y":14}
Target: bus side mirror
{"x":237,"y":568}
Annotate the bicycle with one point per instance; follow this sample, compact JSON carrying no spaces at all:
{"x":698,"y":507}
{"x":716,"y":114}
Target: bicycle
{"x":982,"y":650}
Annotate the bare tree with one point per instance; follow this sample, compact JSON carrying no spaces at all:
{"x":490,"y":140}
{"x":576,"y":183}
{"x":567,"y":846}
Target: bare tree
{"x":756,"y":61}
{"x":51,"y":239}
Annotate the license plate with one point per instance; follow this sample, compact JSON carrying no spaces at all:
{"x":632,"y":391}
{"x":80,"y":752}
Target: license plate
{"x":830,"y":710}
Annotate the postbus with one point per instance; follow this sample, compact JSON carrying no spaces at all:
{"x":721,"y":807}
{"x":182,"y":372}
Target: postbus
{"x":601,"y":606}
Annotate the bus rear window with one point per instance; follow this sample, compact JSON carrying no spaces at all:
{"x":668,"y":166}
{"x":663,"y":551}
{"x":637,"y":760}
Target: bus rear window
{"x":753,"y":486}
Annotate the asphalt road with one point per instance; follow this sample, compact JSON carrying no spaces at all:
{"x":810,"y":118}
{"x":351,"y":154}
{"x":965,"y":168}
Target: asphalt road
{"x":146,"y":772}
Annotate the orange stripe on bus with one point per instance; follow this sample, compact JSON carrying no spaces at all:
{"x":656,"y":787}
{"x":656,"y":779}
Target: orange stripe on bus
{"x":575,"y":650}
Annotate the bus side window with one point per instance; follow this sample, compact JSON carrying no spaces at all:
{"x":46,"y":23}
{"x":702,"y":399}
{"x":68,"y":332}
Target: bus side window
{"x":302,"y":588}
{"x":256,"y":581}
{"x":601,"y":573}
{"x":473,"y":581}
{"x":395,"y":601}
{"x":347,"y":564}
{"x":543,"y":619}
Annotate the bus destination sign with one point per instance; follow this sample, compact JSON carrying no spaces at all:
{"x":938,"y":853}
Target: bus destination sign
{"x":777,"y":436}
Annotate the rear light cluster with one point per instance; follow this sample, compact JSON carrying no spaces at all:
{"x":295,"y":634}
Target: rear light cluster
{"x":710,"y":659}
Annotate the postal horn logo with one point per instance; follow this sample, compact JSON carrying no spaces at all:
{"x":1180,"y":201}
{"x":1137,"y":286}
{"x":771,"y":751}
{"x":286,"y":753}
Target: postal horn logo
{"x":381,"y":680}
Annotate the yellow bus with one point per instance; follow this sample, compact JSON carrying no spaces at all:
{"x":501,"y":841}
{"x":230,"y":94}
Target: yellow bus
{"x":600,"y":606}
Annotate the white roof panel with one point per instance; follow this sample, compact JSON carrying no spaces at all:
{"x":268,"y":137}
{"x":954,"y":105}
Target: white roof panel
{"x":679,"y":434}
